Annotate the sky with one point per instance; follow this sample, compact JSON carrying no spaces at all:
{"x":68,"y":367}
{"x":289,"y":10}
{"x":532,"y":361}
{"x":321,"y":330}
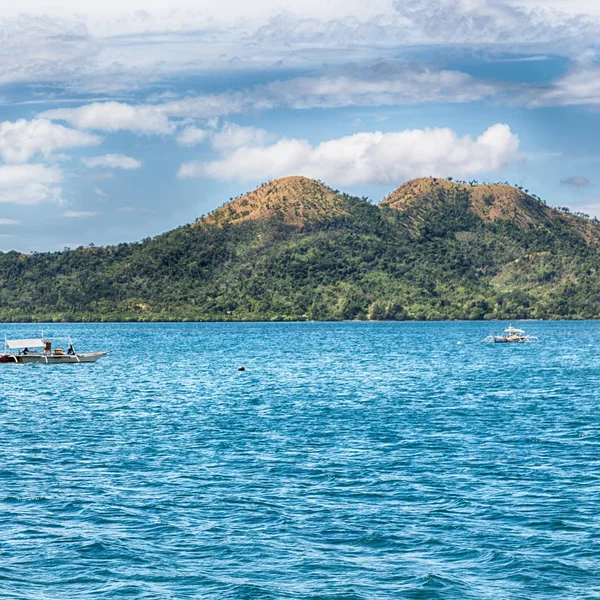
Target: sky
{"x":123,"y":119}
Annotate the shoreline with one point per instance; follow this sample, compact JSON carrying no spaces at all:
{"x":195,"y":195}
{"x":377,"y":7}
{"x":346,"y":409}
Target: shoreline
{"x":292,"y":321}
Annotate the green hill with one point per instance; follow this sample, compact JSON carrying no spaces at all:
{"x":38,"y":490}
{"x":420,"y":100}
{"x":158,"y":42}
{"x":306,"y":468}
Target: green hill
{"x":296,"y":249}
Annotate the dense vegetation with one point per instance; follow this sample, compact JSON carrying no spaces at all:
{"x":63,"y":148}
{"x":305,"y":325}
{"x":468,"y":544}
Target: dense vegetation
{"x":435,"y":259}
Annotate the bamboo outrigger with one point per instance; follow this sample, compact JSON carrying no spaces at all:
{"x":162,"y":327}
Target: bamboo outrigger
{"x":512,"y":336}
{"x":39,"y":351}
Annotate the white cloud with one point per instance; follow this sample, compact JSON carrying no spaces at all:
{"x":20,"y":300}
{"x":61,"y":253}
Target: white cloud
{"x":192,"y":136}
{"x":124,"y":16}
{"x":114,"y":116}
{"x":112,"y":161}
{"x":372,"y":157}
{"x":379,"y":84}
{"x":494,"y":22}
{"x":234,"y":136}
{"x":207,"y":106}
{"x":9,"y":222}
{"x":123,"y":48}
{"x":21,"y":140}
{"x":376,"y":84}
{"x":43,"y":48}
{"x":580,"y":86}
{"x":29,"y":184}
{"x":79,"y":214}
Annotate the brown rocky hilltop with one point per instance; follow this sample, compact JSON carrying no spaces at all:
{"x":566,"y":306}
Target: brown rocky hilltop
{"x":295,"y":200}
{"x":490,"y":202}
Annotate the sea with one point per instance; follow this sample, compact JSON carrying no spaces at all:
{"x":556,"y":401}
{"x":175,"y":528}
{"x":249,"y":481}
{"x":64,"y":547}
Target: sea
{"x":348,"y":461}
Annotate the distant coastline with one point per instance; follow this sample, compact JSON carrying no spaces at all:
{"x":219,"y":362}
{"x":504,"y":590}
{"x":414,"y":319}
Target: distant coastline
{"x":43,"y":321}
{"x":295,"y":249}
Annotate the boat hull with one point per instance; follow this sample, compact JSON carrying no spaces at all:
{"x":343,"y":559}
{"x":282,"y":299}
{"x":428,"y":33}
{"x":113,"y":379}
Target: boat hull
{"x":51,"y":359}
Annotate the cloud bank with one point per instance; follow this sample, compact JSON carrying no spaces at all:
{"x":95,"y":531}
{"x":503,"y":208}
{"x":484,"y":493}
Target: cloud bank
{"x":380,"y":84}
{"x":132,"y":45}
{"x":370,"y":157}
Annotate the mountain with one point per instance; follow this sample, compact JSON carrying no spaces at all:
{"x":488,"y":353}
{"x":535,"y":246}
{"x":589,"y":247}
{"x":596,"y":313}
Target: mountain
{"x":297,"y":249}
{"x":490,"y":202}
{"x":292,"y":200}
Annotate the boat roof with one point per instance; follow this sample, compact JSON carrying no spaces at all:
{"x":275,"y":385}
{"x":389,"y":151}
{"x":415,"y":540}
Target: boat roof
{"x":512,"y":329}
{"x":25,"y":343}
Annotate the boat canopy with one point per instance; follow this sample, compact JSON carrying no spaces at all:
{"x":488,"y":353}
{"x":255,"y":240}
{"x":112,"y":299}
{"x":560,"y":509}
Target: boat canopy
{"x":25,"y":343}
{"x":512,"y":329}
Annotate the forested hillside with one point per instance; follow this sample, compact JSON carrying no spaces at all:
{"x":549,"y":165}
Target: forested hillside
{"x":296,"y":249}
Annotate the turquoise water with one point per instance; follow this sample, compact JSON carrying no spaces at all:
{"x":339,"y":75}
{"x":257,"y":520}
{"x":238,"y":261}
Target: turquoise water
{"x":349,"y":461}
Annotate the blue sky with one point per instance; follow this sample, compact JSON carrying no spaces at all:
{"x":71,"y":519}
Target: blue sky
{"x":124,"y":120}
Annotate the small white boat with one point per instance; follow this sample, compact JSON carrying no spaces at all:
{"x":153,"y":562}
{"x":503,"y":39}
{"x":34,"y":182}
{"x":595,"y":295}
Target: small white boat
{"x":40,"y":351}
{"x":512,"y":335}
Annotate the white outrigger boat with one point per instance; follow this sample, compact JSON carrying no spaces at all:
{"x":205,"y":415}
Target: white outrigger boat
{"x":39,"y":351}
{"x":512,"y":335}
